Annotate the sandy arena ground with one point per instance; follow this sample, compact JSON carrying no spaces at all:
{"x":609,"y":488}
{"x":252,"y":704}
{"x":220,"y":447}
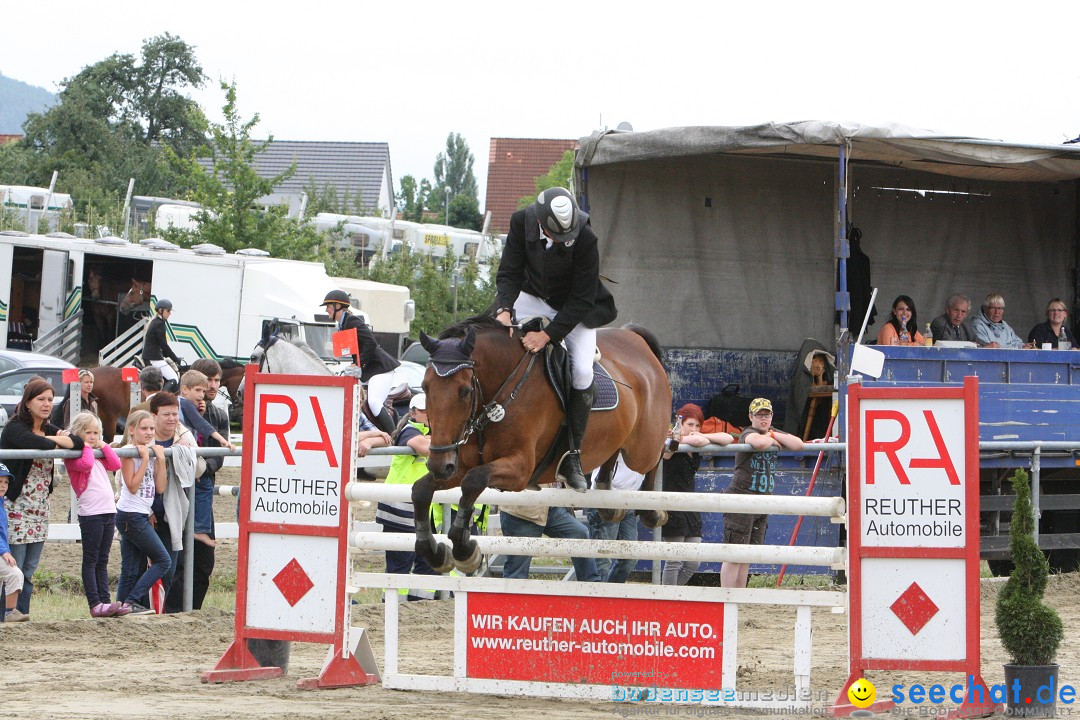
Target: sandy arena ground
{"x":149,"y":666}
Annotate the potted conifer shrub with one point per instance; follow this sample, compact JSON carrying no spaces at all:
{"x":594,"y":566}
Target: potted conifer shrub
{"x":1030,"y":630}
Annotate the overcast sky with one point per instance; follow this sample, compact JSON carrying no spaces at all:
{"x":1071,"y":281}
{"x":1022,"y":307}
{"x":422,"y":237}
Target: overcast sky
{"x":408,"y":73}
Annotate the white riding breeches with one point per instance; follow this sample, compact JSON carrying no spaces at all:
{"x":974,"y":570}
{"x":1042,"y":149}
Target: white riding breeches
{"x":580,"y":343}
{"x":166,"y":369}
{"x":378,"y":388}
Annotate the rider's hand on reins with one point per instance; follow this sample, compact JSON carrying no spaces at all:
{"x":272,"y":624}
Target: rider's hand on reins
{"x":505,"y":318}
{"x":535,"y":341}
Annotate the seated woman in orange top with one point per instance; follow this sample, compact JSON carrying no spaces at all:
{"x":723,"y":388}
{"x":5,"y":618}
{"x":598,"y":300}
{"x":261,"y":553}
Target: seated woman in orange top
{"x":901,"y":329}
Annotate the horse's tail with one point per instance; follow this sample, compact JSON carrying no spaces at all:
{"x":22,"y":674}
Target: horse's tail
{"x":649,"y":338}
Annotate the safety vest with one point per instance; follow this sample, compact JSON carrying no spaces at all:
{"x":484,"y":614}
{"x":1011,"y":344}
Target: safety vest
{"x":407,"y":469}
{"x":404,"y":470}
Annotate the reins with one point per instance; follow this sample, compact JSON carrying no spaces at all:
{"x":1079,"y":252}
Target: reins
{"x":490,"y":412}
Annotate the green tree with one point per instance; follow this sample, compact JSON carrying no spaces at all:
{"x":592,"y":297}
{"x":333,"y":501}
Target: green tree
{"x":454,"y":169}
{"x":113,"y":121}
{"x":559,"y":175}
{"x":230,"y":189}
{"x":413,"y":198}
{"x":465,"y":212}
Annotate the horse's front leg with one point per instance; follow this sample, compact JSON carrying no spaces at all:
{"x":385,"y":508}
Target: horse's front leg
{"x":652,"y":518}
{"x":467,"y":555}
{"x":436,"y":554}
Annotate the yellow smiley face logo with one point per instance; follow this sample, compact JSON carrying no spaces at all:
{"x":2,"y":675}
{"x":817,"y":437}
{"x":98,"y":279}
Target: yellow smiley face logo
{"x":862,"y":693}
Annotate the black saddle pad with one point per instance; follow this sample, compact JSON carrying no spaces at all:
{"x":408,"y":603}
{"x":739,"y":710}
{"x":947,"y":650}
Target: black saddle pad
{"x":558,"y":370}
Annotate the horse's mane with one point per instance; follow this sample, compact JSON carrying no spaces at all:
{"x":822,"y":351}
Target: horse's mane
{"x":228,"y":364}
{"x":306,"y":349}
{"x":485,"y":320}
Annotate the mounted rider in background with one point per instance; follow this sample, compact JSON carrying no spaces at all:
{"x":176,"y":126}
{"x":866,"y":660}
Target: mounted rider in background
{"x":156,"y":346}
{"x":550,"y":268}
{"x":376,"y":365}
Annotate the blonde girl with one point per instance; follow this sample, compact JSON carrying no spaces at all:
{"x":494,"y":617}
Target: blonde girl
{"x":142,"y":477}
{"x":97,"y":510}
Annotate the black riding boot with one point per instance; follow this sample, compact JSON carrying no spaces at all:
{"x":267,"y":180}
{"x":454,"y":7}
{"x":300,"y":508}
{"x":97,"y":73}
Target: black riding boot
{"x":385,"y":422}
{"x":580,"y":405}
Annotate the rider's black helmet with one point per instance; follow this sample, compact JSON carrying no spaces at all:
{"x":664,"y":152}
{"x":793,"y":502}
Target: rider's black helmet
{"x":163,"y":304}
{"x":558,"y":214}
{"x":339,"y":297}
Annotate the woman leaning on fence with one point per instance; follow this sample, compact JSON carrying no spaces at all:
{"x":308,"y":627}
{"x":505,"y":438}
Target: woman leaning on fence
{"x":27,"y":498}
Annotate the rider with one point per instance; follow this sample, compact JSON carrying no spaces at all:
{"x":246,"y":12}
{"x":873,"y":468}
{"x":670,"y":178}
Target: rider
{"x":550,"y":267}
{"x":156,"y":345}
{"x":376,"y":365}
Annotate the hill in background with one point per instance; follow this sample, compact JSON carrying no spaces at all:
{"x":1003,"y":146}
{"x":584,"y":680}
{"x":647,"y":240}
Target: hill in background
{"x":17,"y":100}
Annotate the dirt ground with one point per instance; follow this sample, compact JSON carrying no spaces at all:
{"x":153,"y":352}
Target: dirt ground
{"x":149,"y":666}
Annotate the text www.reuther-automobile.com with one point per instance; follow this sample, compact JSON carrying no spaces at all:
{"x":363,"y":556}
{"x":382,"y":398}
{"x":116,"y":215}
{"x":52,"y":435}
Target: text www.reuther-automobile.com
{"x":596,"y":647}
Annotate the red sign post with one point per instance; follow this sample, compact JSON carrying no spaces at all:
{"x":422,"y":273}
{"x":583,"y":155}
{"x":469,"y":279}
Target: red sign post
{"x":913,"y":534}
{"x":294,"y":521}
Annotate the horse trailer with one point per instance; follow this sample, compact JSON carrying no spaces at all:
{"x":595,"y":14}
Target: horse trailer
{"x":75,"y":297}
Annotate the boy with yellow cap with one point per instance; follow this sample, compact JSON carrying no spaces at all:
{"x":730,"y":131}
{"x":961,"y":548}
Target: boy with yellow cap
{"x":754,"y":475}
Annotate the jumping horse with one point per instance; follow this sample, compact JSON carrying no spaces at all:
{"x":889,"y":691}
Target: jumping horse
{"x":495,"y":418}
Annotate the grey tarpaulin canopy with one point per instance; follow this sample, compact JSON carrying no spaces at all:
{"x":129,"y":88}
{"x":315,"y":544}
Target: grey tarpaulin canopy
{"x":724,"y":236}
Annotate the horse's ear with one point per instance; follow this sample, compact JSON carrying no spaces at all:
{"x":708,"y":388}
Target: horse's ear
{"x":468,"y":343}
{"x":428,"y":343}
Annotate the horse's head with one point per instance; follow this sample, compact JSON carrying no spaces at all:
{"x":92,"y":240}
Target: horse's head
{"x":276,"y":354}
{"x":452,"y":398}
{"x":138,"y":294}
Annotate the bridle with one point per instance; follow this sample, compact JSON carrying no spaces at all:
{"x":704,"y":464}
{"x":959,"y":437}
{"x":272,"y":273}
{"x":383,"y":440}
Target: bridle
{"x":480,"y":415}
{"x":259,"y":356}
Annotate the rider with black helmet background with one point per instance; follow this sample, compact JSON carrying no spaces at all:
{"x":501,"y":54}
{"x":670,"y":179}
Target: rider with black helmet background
{"x":550,"y":267}
{"x":156,"y":345}
{"x":376,"y":365}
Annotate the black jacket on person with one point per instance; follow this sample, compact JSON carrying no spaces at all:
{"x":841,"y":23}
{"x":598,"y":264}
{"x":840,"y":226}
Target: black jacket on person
{"x":17,"y":435}
{"x":156,"y":343}
{"x":373,"y":359}
{"x":566,"y":278}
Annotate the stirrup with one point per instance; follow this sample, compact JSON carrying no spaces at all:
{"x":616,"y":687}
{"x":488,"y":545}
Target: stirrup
{"x":573,"y":458}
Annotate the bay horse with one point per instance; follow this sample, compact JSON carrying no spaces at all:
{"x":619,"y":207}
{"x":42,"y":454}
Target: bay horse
{"x":113,"y":398}
{"x":494,"y":415}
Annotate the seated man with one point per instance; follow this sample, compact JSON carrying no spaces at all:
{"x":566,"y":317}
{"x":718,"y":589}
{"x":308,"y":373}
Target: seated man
{"x":990,"y":328}
{"x":537,"y":520}
{"x":950,"y":324}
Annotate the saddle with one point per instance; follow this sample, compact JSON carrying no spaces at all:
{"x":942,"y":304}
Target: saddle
{"x":557,"y":364}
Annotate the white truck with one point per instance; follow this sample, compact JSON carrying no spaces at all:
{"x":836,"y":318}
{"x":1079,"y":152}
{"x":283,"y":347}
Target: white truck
{"x":221,"y":300}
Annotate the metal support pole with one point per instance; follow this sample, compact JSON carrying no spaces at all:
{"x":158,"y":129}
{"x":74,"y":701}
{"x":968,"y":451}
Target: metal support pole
{"x":657,"y":533}
{"x":1036,"y":484}
{"x":189,"y":550}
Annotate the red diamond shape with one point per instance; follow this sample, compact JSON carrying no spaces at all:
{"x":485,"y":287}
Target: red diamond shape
{"x":293,"y":582}
{"x":914,"y":608}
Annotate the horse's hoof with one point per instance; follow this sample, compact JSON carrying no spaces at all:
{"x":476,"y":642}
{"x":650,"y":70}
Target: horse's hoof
{"x":469,"y":565}
{"x":612,"y":515}
{"x":444,"y":560}
{"x":653,"y":518}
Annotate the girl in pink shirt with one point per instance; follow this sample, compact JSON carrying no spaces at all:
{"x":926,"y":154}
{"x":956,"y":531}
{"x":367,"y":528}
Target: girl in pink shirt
{"x":97,"y":510}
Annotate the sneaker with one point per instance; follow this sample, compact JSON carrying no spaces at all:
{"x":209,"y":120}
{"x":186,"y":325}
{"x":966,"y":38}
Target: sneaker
{"x":99,"y":611}
{"x":137,"y":609}
{"x":15,"y":616}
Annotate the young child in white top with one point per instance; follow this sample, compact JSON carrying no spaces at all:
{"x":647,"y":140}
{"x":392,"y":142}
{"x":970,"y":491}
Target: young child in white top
{"x":143,"y":476}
